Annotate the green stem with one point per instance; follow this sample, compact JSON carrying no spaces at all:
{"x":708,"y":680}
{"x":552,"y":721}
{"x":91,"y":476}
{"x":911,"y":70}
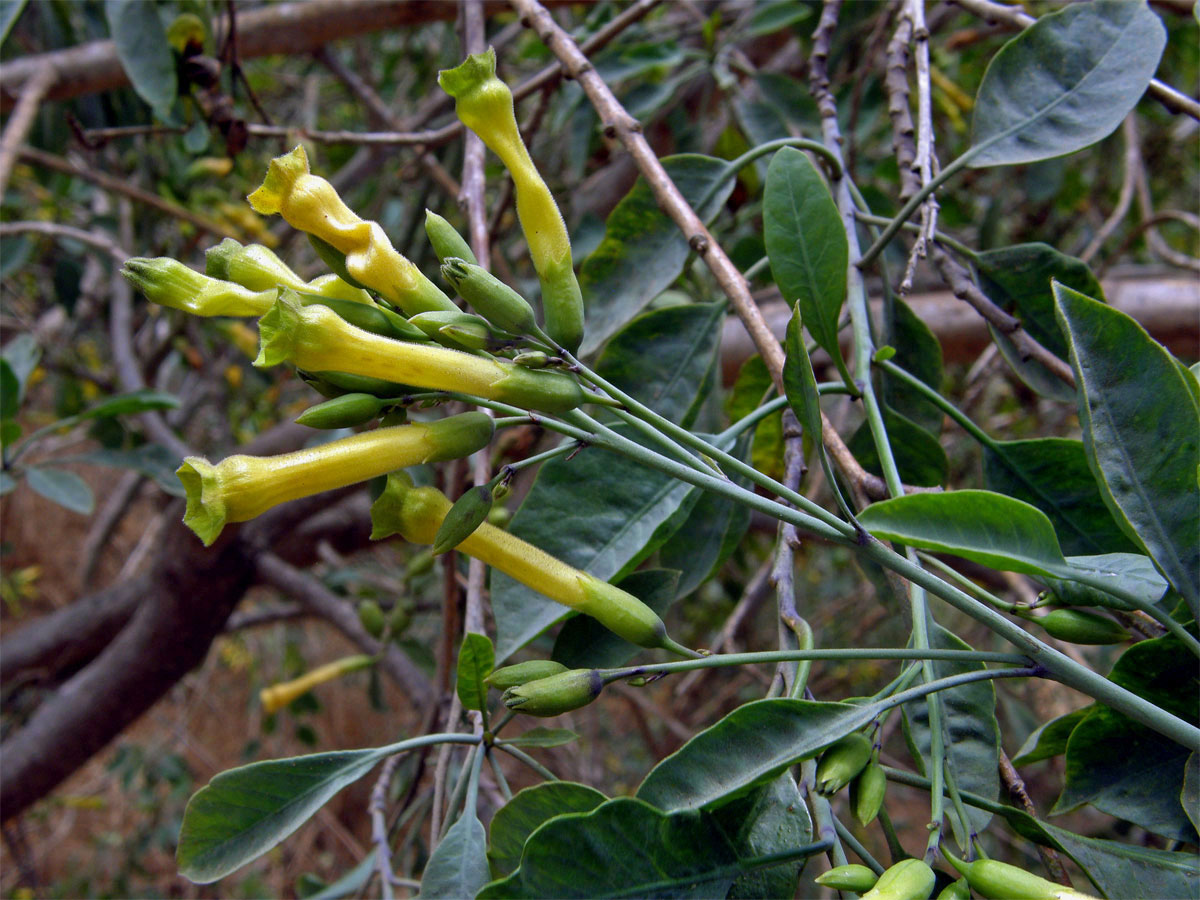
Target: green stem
{"x":471,"y":804}
{"x":736,"y":165}
{"x":804,"y":635}
{"x":965,"y":583}
{"x":501,"y":781}
{"x":942,"y":403}
{"x":895,"y":848}
{"x":944,"y":239}
{"x":964,"y":821}
{"x":524,"y":757}
{"x":847,"y":837}
{"x":822,"y":813}
{"x":772,"y":406}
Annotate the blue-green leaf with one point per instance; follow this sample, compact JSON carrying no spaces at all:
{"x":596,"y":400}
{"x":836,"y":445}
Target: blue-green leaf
{"x":458,"y":866}
{"x":141,"y":43}
{"x":64,"y":488}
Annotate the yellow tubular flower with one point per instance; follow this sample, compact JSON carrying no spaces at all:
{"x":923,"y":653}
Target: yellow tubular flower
{"x":485,"y":105}
{"x":316,"y":339}
{"x":310,"y":203}
{"x":241,"y":487}
{"x":258,"y":268}
{"x":417,"y":513}
{"x":168,"y":282}
{"x":277,"y":696}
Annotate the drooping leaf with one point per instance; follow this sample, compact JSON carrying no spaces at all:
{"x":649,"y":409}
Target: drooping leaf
{"x":988,"y":528}
{"x":526,"y":811}
{"x":458,"y":866}
{"x":751,"y":387}
{"x":1050,"y":739}
{"x":583,"y":643}
{"x":1065,"y":82}
{"x":1036,"y":374}
{"x":807,"y":245}
{"x":1053,"y":474}
{"x":1141,"y":428}
{"x":919,"y":456}
{"x":970,"y":733}
{"x":242,"y":813}
{"x":141,"y":44}
{"x":476,"y":660}
{"x":772,"y":819}
{"x":665,"y":358}
{"x":643,"y":251}
{"x":63,"y":487}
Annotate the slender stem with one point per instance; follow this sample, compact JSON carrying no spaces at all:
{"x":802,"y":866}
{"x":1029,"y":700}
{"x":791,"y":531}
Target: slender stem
{"x":910,"y":207}
{"x":822,"y":813}
{"x":847,"y":837}
{"x":942,"y":238}
{"x":527,"y":759}
{"x":827,"y":156}
{"x":472,"y":801}
{"x":501,"y":781}
{"x":942,"y":403}
{"x":965,"y":583}
{"x":964,"y":821}
{"x":773,"y":406}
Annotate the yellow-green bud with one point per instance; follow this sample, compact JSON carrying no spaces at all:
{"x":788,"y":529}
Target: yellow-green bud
{"x":516,"y":675}
{"x":168,"y":282}
{"x":490,"y":297}
{"x":532,"y":359}
{"x":467,"y":513}
{"x":867,"y":792}
{"x":956,"y":890}
{"x":345,"y":411}
{"x":335,"y":384}
{"x":335,"y":259}
{"x":557,"y":694}
{"x":446,"y":240}
{"x":909,"y":879}
{"x":316,"y":339}
{"x":1081,"y":627}
{"x":1000,"y":881}
{"x":460,"y":329}
{"x":256,"y":267}
{"x":852,"y":877}
{"x":278,"y":696}
{"x":370,"y":615}
{"x":241,"y":487}
{"x":841,"y":762}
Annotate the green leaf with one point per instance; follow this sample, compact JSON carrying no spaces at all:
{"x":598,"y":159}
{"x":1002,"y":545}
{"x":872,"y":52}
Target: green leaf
{"x":1189,"y":795}
{"x":583,"y":643}
{"x":643,"y":251}
{"x":21,"y":354}
{"x":599,"y":512}
{"x":666,"y":358}
{"x":10,"y":391}
{"x":752,"y":386}
{"x":242,"y":813}
{"x":969,"y":729}
{"x":807,"y":246}
{"x":350,"y":882}
{"x":526,"y":811}
{"x":1053,"y":474}
{"x":799,"y":380}
{"x":752,"y":745}
{"x":543,"y":737}
{"x":64,"y":488}
{"x":1141,"y":428}
{"x":1065,"y":82}
{"x":141,"y":44}
{"x":458,"y":866}
{"x":8,"y":16}
{"x":990,"y":529}
{"x":772,"y":819}
{"x":1036,"y":375}
{"x":1017,"y":279}
{"x":128,"y":404}
{"x":476,"y":660}
{"x":919,"y":456}
{"x":7,"y":483}
{"x":152,"y":460}
{"x":1050,"y":739}
{"x":1130,"y":573}
{"x":917,"y":352}
{"x":623,"y":848}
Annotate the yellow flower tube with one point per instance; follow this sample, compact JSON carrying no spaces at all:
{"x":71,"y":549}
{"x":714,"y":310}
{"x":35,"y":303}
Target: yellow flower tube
{"x":485,"y":105}
{"x":168,"y":282}
{"x":277,"y":696}
{"x":258,"y":268}
{"x":241,"y":487}
{"x":311,"y":204}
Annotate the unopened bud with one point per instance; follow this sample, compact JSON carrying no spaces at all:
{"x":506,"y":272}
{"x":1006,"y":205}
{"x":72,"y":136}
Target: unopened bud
{"x":516,"y":675}
{"x":996,"y":880}
{"x":446,"y":240}
{"x":258,"y":268}
{"x":345,"y":411}
{"x":867,"y":792}
{"x":557,"y":694}
{"x":532,"y":359}
{"x":489,"y":296}
{"x":467,"y":513}
{"x":841,"y":762}
{"x":1081,"y":627}
{"x":851,"y":877}
{"x":909,"y":879}
{"x":370,"y":615}
{"x":168,"y":282}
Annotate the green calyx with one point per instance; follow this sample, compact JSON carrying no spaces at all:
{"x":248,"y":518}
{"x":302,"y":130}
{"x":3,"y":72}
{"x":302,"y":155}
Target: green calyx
{"x":562,"y":304}
{"x":345,"y":411}
{"x":909,"y":879}
{"x":490,"y":297}
{"x":460,"y":330}
{"x":867,"y":791}
{"x":556,"y":694}
{"x":516,"y":675}
{"x":205,"y":513}
{"x":626,"y":616}
{"x":851,"y":877}
{"x":841,"y":762}
{"x":468,"y":513}
{"x":446,"y":241}
{"x":551,"y":392}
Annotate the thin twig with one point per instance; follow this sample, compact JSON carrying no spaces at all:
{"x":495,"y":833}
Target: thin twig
{"x":32,"y":93}
{"x":117,"y":501}
{"x":1016,"y":788}
{"x":265,"y":615}
{"x":895,"y":82}
{"x":784,"y":570}
{"x":1133,"y":160}
{"x":379,"y":829}
{"x":926,"y":161}
{"x":55,"y":230}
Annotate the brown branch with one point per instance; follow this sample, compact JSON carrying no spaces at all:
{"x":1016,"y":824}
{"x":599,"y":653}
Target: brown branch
{"x":1016,"y":789}
{"x":32,"y":93}
{"x":895,"y":82}
{"x":55,"y":230}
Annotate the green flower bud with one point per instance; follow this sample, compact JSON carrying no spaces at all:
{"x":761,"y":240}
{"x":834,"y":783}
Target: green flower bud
{"x":491,"y":297}
{"x":1000,"y":881}
{"x":446,"y":240}
{"x":866,"y":793}
{"x":242,"y":487}
{"x":460,"y":329}
{"x":557,"y":694}
{"x":168,"y":282}
{"x":851,"y":877}
{"x":1081,"y":627}
{"x":956,"y":890}
{"x":400,"y":618}
{"x":345,"y":411}
{"x":467,"y":513}
{"x":257,"y":268}
{"x":516,"y":675}
{"x":841,"y":762}
{"x":532,"y":359}
{"x":499,"y":516}
{"x":371,"y":617}
{"x":909,"y":879}
{"x":335,"y":384}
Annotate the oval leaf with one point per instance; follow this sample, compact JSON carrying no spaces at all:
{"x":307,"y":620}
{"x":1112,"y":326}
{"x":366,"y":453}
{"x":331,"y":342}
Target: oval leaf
{"x":458,"y":867}
{"x":476,"y":660}
{"x":522,"y":815}
{"x":141,"y":44}
{"x":988,"y":528}
{"x":133,"y":402}
{"x":1065,"y":82}
{"x":64,"y":488}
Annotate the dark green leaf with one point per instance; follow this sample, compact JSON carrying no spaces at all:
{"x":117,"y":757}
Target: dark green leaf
{"x":527,"y":810}
{"x":807,"y":245}
{"x":623,"y":848}
{"x":919,"y":456}
{"x":1189,"y":795}
{"x":1036,"y":375}
{"x":772,"y":819}
{"x":64,"y":488}
{"x":10,"y":391}
{"x":14,"y":252}
{"x":242,"y":813}
{"x":476,"y":660}
{"x":350,"y":882}
{"x":643,"y":251}
{"x":1065,"y":82}
{"x":799,"y":380}
{"x":459,"y":866}
{"x":771,"y":17}
{"x":665,"y":358}
{"x":10,"y":432}
{"x":1017,"y":279}
{"x":969,"y":730}
{"x":543,"y":737}
{"x":752,"y":387}
{"x":986,"y":528}
{"x":1050,"y":739}
{"x":1053,"y":475}
{"x":1141,"y":427}
{"x":583,"y":643}
{"x":917,"y":352}
{"x":141,"y":44}
{"x":599,"y":512}
{"x":1130,"y":573}
{"x":752,"y":745}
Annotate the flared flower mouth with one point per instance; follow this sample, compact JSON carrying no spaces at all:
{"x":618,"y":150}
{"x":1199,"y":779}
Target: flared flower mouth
{"x":205,"y":513}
